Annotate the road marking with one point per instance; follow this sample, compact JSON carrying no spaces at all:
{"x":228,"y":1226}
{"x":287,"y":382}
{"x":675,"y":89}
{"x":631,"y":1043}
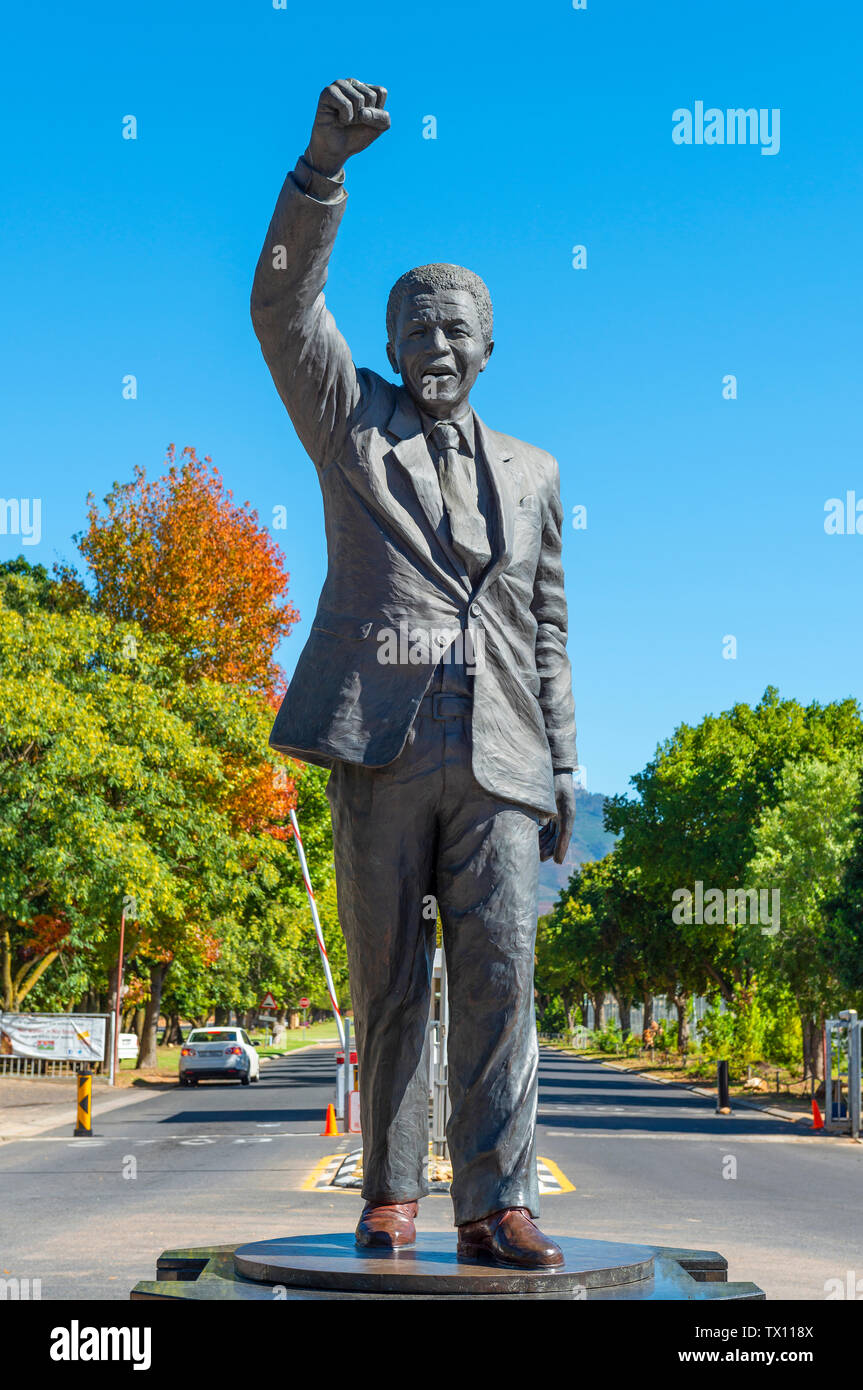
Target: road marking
{"x":551,"y":1180}
{"x":717,"y":1138}
{"x":575,"y":1107}
{"x":323,"y":1166}
{"x":343,"y":1173}
{"x":166,"y":1138}
{"x":636,"y":1112}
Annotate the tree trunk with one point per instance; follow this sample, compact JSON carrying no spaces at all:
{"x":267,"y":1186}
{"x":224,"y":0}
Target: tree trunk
{"x":648,"y":1023}
{"x":138,"y":1022}
{"x":598,"y":1002}
{"x":813,"y":1047}
{"x":681,"y":1003}
{"x":147,"y":1055}
{"x":15,"y":985}
{"x":6,"y":993}
{"x":220,"y":1016}
{"x":726,"y":986}
{"x":173,"y":1032}
{"x":624,"y":1006}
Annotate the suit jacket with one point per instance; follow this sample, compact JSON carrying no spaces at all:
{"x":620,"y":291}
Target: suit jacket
{"x":390,"y":564}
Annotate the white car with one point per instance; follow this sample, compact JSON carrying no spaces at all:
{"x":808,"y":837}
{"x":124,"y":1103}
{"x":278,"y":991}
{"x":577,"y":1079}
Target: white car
{"x":219,"y":1054}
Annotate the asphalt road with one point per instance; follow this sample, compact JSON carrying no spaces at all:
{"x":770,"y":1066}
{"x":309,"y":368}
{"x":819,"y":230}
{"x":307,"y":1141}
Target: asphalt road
{"x":223,"y":1163}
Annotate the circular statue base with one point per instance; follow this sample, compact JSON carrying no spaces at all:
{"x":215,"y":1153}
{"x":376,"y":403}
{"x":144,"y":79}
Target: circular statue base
{"x":431,"y":1266}
{"x":314,"y":1268}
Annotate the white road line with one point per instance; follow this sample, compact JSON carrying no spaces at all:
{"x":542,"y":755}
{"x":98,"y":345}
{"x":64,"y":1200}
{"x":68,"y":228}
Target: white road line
{"x":718,"y":1138}
{"x":162,"y":1139}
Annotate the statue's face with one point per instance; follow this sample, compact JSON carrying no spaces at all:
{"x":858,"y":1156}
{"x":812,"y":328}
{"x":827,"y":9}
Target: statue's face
{"x":439,"y":349}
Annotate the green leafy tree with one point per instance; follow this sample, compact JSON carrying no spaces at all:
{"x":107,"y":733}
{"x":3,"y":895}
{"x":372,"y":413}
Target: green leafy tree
{"x":698,"y":804}
{"x":570,"y":959}
{"x":843,"y":935}
{"x":121,"y":782}
{"x":802,"y":846}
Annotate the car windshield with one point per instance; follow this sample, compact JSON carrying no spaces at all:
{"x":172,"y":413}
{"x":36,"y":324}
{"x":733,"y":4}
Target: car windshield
{"x":213,"y":1035}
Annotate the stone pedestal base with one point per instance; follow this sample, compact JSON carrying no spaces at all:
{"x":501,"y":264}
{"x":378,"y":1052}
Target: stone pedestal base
{"x":316,"y":1268}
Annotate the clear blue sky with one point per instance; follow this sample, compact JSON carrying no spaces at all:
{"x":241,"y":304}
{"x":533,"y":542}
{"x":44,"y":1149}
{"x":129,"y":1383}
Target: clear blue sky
{"x":705,"y":516}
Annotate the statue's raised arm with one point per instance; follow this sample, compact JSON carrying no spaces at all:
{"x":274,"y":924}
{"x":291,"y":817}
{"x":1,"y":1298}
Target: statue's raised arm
{"x":309,"y":359}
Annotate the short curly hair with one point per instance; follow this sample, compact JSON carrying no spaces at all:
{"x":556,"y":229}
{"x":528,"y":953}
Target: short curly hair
{"x":441,"y":277}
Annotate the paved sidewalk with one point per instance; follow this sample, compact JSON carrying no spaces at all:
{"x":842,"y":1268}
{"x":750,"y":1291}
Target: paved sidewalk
{"x":30,"y":1107}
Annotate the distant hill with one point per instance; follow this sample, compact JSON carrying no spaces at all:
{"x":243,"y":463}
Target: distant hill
{"x":590,"y":841}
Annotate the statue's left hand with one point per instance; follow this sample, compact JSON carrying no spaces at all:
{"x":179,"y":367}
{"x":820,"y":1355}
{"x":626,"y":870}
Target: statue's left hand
{"x":555,"y":835}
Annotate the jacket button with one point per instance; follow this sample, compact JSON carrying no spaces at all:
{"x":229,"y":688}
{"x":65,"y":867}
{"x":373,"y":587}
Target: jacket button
{"x":475,"y":610}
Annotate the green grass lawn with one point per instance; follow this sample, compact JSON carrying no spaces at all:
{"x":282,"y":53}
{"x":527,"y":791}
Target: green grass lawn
{"x":168,"y":1058}
{"x":300,"y":1037}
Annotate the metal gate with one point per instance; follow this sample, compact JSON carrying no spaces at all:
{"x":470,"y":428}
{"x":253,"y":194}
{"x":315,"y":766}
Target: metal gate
{"x":439,"y":1028}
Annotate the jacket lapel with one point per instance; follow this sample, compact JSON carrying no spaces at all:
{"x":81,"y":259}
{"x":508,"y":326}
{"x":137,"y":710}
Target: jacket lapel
{"x":497,"y":457}
{"x":414,"y":457}
{"x":412,"y":453}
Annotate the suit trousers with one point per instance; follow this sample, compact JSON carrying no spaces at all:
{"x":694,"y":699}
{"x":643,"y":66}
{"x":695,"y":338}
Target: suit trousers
{"x":420,"y":829}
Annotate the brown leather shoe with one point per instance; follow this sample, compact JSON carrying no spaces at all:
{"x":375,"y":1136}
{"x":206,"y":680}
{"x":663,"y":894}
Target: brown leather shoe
{"x":508,"y":1237}
{"x":387,"y":1224}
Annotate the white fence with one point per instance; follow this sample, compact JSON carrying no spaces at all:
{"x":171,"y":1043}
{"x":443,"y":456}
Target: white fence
{"x":43,"y":1066}
{"x":664,"y":1011}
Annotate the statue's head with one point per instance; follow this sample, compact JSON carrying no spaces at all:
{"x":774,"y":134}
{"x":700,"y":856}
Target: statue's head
{"x":439,"y":331}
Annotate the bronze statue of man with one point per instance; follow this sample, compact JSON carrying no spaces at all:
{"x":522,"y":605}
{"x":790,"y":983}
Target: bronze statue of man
{"x":435,"y":684}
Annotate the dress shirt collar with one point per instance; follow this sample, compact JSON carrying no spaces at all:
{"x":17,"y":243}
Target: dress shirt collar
{"x":464,"y":425}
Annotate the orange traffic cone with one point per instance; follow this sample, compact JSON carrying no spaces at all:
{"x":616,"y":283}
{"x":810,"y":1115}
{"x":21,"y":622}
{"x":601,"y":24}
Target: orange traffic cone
{"x":330,"y":1127}
{"x":817,"y":1122}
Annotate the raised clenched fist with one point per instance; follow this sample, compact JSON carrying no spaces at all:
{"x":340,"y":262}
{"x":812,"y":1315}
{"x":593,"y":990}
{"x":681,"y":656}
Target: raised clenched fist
{"x":349,"y":117}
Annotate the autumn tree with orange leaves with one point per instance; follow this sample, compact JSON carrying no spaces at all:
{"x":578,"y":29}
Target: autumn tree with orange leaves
{"x":177,"y":555}
{"x":180,"y":558}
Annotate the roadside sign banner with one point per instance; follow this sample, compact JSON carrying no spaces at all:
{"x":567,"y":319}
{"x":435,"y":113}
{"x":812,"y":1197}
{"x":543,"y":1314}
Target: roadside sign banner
{"x":127,"y":1046}
{"x":63,"y":1037}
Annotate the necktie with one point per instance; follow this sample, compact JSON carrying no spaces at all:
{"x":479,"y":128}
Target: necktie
{"x":458,"y":485}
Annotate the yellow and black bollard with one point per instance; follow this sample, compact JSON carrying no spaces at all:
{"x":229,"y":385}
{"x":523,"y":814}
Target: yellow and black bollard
{"x":84,"y":1127}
